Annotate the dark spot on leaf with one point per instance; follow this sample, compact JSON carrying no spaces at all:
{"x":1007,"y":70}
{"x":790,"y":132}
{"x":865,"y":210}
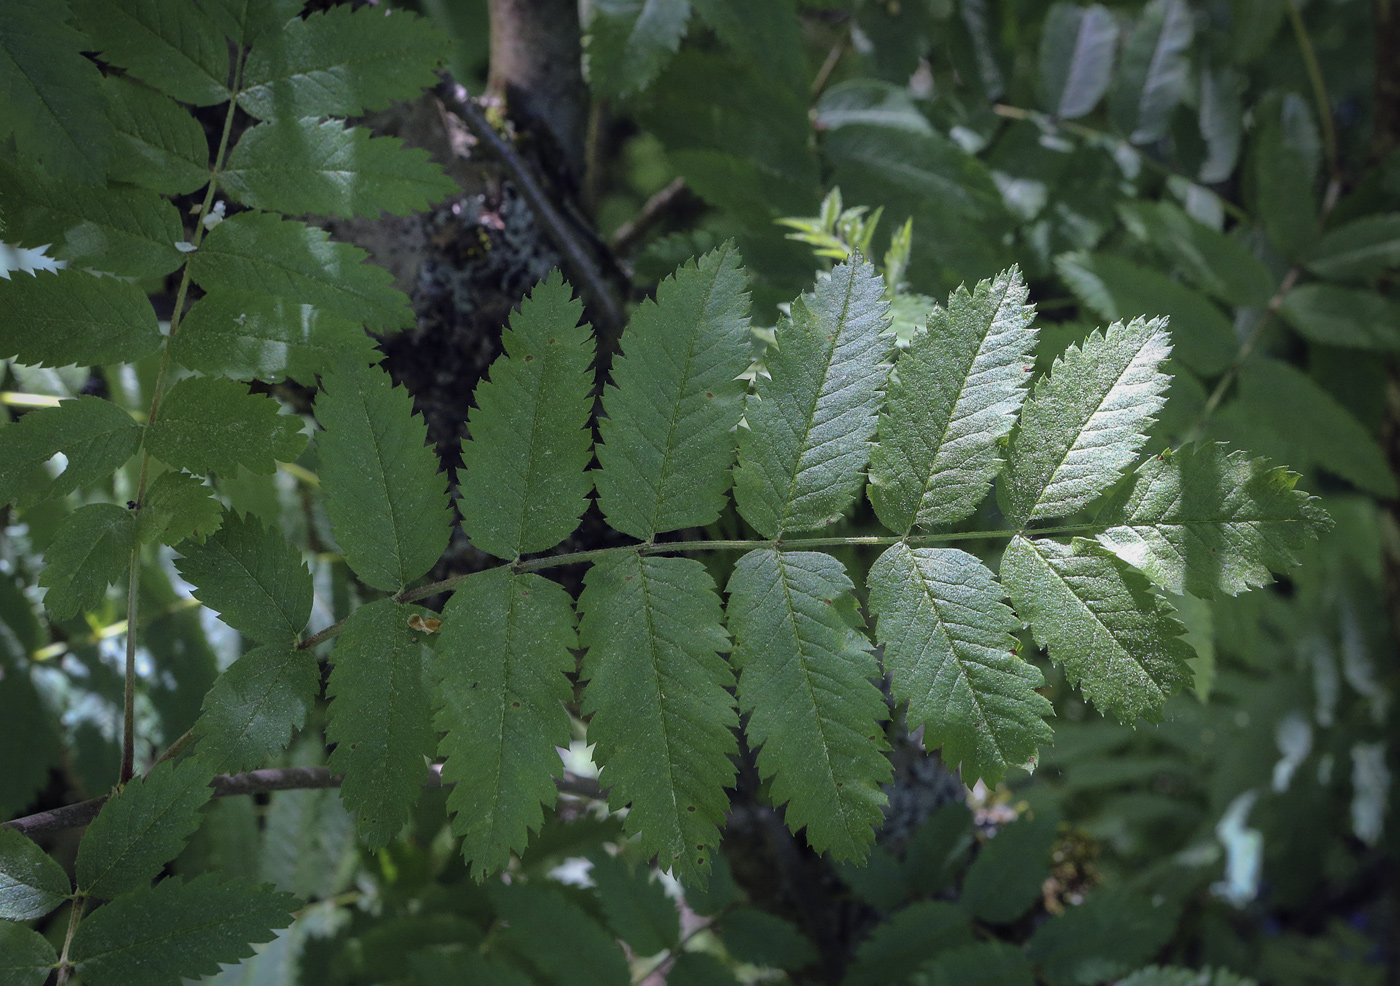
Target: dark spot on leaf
{"x":840,"y":783}
{"x":515,"y":705}
{"x":690,"y":808}
{"x":708,"y":394}
{"x":529,"y":359}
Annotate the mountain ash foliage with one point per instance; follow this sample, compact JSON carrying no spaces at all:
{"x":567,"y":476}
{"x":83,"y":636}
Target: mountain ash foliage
{"x":928,"y":418}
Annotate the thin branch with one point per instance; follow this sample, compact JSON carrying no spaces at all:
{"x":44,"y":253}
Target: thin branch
{"x":833,"y":58}
{"x":578,"y":265}
{"x":1319,"y":87}
{"x":652,"y":212}
{"x":258,"y":782}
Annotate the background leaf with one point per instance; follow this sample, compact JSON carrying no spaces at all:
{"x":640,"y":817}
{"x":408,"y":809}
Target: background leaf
{"x":630,"y":40}
{"x":71,"y":317}
{"x":1076,"y":59}
{"x":1153,"y":74}
{"x":26,"y":957}
{"x":1105,"y":937}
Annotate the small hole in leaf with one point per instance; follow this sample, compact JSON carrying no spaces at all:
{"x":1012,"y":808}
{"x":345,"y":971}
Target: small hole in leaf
{"x":515,"y":705}
{"x":529,"y":359}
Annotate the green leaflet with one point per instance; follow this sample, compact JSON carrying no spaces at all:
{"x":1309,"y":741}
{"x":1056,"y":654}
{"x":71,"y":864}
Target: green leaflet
{"x":500,"y":664}
{"x":1284,"y":162}
{"x":122,"y":230}
{"x":252,"y":336}
{"x":72,"y":317}
{"x":1076,"y":59}
{"x":956,"y":394}
{"x":523,"y":480}
{"x":94,"y":435}
{"x":213,"y":425}
{"x":662,"y":719}
{"x":142,"y":828}
{"x":386,"y":502}
{"x":31,"y":882}
{"x":1085,"y":422}
{"x":159,"y":145}
{"x":1154,"y":72}
{"x":90,"y":551}
{"x":253,"y":578}
{"x":948,"y":644}
{"x":810,"y":425}
{"x":1008,"y":874}
{"x":1173,"y":976}
{"x":560,"y":938}
{"x":54,"y":107}
{"x":987,"y":963}
{"x":1221,"y":119}
{"x":172,"y":44}
{"x":1338,"y":316}
{"x":26,"y":957}
{"x":341,"y":62}
{"x":381,"y":718}
{"x":321,"y":167}
{"x":668,"y":434}
{"x":1111,"y":933}
{"x":1219,"y":264}
{"x":804,"y":680}
{"x":306,"y":840}
{"x":178,"y":506}
{"x":768,"y":36}
{"x":1205,"y":521}
{"x":254,"y":707}
{"x":899,"y":946}
{"x":636,"y":906}
{"x":630,"y":41}
{"x":175,"y":931}
{"x":1359,"y":250}
{"x":1117,"y":639}
{"x":764,"y":939}
{"x":1115,"y":288}
{"x":246,"y":22}
{"x":260,"y":252}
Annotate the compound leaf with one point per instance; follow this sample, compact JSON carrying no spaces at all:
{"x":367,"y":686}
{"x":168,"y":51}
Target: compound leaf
{"x":172,"y":44}
{"x":341,"y":62}
{"x":253,"y":708}
{"x":381,"y":718}
{"x":630,"y":41}
{"x":253,"y":578}
{"x":142,"y":828}
{"x":26,"y":957}
{"x":178,"y":506}
{"x":94,"y":435}
{"x":1099,"y":618}
{"x":523,"y":481}
{"x":1085,"y":421}
{"x":250,"y":336}
{"x":387,"y":504}
{"x":211,"y":424}
{"x":258,"y":251}
{"x":668,"y":434}
{"x":1206,"y":521}
{"x":956,"y":394}
{"x":500,"y":666}
{"x":1153,"y":75}
{"x":804,"y":681}
{"x":948,"y":644}
{"x":90,"y":551}
{"x":55,"y":319}
{"x":31,"y":882}
{"x":1076,"y":58}
{"x":662,"y":718}
{"x":810,"y":425}
{"x":321,"y":167}
{"x":52,"y":95}
{"x":159,"y":144}
{"x":176,"y":931}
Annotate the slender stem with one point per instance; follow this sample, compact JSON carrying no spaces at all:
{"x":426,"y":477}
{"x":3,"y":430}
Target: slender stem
{"x":672,"y":953}
{"x":74,"y":916}
{"x":128,"y":762}
{"x":833,"y":58}
{"x":1319,"y":86}
{"x":652,"y":212}
{"x":184,"y":740}
{"x":686,"y":547}
{"x":1100,"y":137}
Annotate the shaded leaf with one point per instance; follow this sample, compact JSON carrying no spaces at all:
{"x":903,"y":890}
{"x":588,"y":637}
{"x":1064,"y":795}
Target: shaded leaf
{"x":254,"y":707}
{"x":948,"y":644}
{"x":1219,"y":264}
{"x":1076,"y":58}
{"x":381,"y":718}
{"x":1007,"y":875}
{"x":1338,"y":316}
{"x":174,"y":45}
{"x":661,"y":716}
{"x":159,"y":144}
{"x":26,"y":957}
{"x":501,"y":663}
{"x":764,"y":939}
{"x":386,"y":502}
{"x":903,"y":942}
{"x":1358,"y":250}
{"x":54,"y":319}
{"x":1109,"y":934}
{"x":31,"y":882}
{"x":668,"y":432}
{"x":558,"y":937}
{"x":1117,"y":639}
{"x":630,"y":41}
{"x":90,"y":551}
{"x":804,"y":681}
{"x":1153,"y":74}
{"x":211,"y":424}
{"x":1205,"y":521}
{"x":636,"y":906}
{"x":987,"y":963}
{"x":178,"y":506}
{"x":523,"y":481}
{"x":95,"y":436}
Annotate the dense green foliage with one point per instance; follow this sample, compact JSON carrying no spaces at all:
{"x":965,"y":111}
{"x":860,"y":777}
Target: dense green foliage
{"x":960,"y":518}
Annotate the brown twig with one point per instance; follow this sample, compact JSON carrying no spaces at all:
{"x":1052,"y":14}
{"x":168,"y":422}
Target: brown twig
{"x":652,"y":213}
{"x":256,"y":782}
